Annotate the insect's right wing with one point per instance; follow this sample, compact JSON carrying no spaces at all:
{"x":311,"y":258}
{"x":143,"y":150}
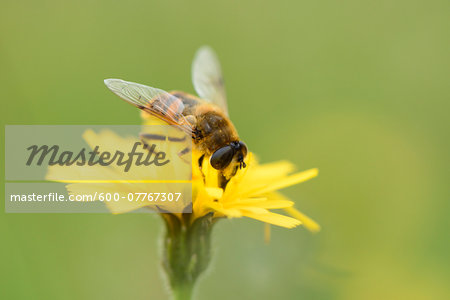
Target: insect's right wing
{"x":154,"y":101}
{"x":207,"y":77}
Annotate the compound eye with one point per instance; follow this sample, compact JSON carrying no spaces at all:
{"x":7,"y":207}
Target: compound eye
{"x":222,"y":157}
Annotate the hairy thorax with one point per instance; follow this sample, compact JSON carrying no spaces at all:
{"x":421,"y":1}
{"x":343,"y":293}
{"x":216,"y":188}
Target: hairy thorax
{"x":213,"y":128}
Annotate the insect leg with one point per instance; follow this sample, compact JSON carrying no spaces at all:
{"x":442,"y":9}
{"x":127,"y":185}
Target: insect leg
{"x":223,"y":181}
{"x":200,"y":165}
{"x":200,"y":161}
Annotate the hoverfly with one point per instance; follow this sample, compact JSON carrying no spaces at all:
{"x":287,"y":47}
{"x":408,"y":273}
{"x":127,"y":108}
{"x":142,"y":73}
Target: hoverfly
{"x":205,"y":119}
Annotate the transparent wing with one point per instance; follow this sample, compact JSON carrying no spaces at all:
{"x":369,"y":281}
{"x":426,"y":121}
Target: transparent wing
{"x":156,"y":102}
{"x":207,"y":77}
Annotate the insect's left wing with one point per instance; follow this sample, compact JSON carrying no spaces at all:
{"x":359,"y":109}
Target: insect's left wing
{"x":207,"y":77}
{"x":154,"y":101}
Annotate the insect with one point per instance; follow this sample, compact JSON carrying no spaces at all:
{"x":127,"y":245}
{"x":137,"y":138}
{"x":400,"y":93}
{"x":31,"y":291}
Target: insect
{"x":205,"y":119}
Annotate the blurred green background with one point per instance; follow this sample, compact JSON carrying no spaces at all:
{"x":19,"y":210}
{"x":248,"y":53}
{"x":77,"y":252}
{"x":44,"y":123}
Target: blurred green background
{"x":358,"y":89}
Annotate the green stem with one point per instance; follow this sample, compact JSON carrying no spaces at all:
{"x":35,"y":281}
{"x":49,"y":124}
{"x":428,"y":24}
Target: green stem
{"x":186,"y":252}
{"x":183,"y":292}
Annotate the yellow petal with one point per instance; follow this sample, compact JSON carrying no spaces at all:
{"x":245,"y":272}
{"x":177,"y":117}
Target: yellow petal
{"x":215,"y":193}
{"x":230,"y":213}
{"x":270,"y":170}
{"x":291,"y":180}
{"x":261,"y":202}
{"x":275,"y":219}
{"x":309,"y":223}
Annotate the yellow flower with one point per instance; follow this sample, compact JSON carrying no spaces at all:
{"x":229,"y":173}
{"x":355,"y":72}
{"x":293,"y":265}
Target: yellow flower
{"x":252,"y":193}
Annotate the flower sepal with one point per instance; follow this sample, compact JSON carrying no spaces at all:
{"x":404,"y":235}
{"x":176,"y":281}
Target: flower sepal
{"x":187,"y":251}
